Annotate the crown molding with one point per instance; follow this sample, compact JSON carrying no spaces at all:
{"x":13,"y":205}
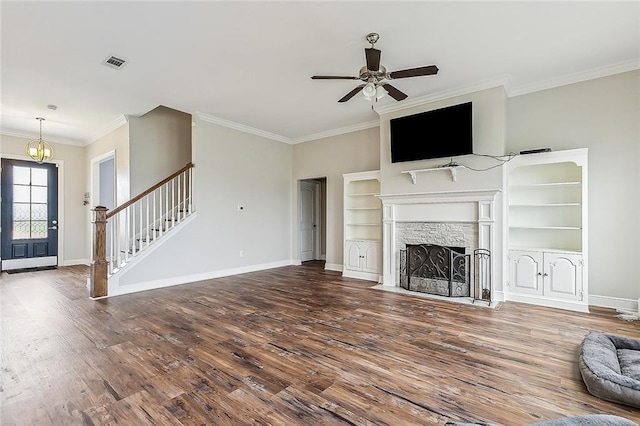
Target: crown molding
{"x":500,"y":81}
{"x":564,"y":80}
{"x":33,"y":136}
{"x":338,"y":131}
{"x":115,"y":124}
{"x":243,"y":128}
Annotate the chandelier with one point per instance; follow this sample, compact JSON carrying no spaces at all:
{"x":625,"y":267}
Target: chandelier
{"x":39,"y":150}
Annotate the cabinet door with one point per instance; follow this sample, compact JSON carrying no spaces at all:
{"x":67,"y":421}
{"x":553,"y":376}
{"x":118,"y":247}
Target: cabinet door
{"x":563,"y":276}
{"x":526,"y":272}
{"x":371,"y":258}
{"x":353,"y":257}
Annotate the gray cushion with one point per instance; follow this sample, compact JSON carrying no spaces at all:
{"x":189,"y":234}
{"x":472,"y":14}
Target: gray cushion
{"x":629,"y":363}
{"x":602,"y":371}
{"x":591,"y":420}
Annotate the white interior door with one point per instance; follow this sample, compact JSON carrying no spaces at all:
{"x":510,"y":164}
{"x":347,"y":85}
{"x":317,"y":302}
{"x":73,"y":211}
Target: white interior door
{"x":307,"y":214}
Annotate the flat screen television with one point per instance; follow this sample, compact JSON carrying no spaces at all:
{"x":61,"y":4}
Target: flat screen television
{"x":445,"y":132}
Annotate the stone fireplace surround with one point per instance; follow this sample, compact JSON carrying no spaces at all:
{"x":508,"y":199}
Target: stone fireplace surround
{"x":462,"y":218}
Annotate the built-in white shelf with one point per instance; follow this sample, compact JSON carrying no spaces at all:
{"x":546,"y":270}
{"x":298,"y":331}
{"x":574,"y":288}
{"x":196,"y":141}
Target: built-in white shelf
{"x":544,"y":249}
{"x":368,"y":194}
{"x":414,"y":173}
{"x":362,"y":219}
{"x":547,"y":231}
{"x":545,"y":205}
{"x":545,"y":185}
{"x":546,"y":227}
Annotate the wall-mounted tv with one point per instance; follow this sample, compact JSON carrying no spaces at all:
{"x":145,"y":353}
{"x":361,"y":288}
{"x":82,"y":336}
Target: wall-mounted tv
{"x":445,"y":132}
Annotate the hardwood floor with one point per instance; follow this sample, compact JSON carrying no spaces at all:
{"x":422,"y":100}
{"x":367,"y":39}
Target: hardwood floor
{"x":294,"y":345}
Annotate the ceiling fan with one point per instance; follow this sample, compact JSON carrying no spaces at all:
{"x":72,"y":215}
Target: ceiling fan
{"x":374,"y":75}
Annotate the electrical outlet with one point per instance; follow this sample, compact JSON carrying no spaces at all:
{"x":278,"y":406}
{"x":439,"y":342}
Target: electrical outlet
{"x":241,"y":253}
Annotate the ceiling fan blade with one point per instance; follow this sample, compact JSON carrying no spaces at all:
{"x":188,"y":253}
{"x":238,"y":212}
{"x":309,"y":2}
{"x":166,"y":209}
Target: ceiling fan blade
{"x":373,"y":58}
{"x":393,"y":92}
{"x":414,"y":72}
{"x":351,"y":94}
{"x":333,"y":77}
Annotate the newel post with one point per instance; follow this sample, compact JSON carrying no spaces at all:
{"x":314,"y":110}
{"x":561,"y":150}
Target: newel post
{"x":99,"y":261}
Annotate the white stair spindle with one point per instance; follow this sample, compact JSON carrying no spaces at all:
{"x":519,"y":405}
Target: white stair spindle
{"x":173,"y":203}
{"x":179,"y":196}
{"x":163,"y":209}
{"x":190,"y":189}
{"x":184,"y":195}
{"x":127,"y":234}
{"x":147,"y":199}
{"x":117,"y":225}
{"x":154,"y":228}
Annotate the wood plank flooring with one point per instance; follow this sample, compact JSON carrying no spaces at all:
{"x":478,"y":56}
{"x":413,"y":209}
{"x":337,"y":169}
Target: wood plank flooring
{"x":289,"y":346}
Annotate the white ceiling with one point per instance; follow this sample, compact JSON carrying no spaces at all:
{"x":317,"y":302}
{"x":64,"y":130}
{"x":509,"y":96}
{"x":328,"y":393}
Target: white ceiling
{"x":250,"y":63}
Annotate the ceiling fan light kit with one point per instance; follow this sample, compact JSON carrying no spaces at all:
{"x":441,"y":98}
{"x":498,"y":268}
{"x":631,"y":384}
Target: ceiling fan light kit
{"x":374,"y":76}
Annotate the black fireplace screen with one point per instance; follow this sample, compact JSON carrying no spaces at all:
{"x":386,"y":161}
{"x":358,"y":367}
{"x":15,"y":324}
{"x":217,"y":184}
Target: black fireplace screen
{"x":434,"y":269}
{"x":446,"y":271}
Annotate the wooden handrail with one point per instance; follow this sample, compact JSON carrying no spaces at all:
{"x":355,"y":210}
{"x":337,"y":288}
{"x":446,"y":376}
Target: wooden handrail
{"x":148,"y":191}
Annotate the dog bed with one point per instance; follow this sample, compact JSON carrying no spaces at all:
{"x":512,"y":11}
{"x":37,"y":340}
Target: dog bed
{"x":610,"y":367}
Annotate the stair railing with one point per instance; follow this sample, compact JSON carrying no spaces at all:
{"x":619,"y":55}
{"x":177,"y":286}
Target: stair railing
{"x":123,"y":233}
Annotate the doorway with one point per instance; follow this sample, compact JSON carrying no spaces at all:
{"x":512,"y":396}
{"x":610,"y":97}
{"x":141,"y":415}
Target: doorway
{"x":103,"y":186}
{"x":312,"y":219}
{"x":29,"y":210}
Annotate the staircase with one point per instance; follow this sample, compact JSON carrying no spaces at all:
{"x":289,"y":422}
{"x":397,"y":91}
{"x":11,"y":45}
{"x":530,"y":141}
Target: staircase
{"x":133,"y":228}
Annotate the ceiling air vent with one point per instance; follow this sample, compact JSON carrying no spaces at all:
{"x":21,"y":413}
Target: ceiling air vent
{"x":114,"y":62}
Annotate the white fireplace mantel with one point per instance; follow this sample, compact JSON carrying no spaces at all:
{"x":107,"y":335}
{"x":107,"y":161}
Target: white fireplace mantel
{"x":472,"y":206}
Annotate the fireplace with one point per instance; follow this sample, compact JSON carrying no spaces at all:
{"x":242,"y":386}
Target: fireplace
{"x":454,"y":220}
{"x":434,"y":269}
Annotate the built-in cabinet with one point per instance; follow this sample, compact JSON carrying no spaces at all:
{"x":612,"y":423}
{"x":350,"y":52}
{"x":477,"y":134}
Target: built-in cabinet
{"x":548,"y":274}
{"x":362,"y":225}
{"x":362,"y":256}
{"x":547,"y":229}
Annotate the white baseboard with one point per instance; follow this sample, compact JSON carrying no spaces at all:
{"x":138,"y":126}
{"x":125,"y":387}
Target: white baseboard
{"x":333,"y":267}
{"x":613,"y":302}
{"x":72,"y":262}
{"x":116,"y":290}
{"x":296,"y":262}
{"x":498,"y":296}
{"x":323,"y":257}
{"x":31,"y":262}
{"x":361,"y":275}
{"x":551,"y":303}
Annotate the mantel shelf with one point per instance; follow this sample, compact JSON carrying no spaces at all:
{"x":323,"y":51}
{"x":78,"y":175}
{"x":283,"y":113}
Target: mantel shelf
{"x":414,"y":173}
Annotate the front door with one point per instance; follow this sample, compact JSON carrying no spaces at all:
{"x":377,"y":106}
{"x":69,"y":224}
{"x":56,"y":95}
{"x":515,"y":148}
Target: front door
{"x":29,"y":208}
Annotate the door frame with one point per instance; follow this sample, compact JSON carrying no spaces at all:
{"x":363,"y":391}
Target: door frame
{"x":94,"y":187}
{"x":318,"y":229}
{"x":95,"y":175}
{"x":61,"y":222}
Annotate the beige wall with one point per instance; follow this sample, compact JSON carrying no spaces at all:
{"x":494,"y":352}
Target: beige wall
{"x":231,"y":168}
{"x":117,"y":141}
{"x":331,"y":158}
{"x":488,"y":138}
{"x":73,"y":213}
{"x":159,"y":144}
{"x":602,"y":115}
